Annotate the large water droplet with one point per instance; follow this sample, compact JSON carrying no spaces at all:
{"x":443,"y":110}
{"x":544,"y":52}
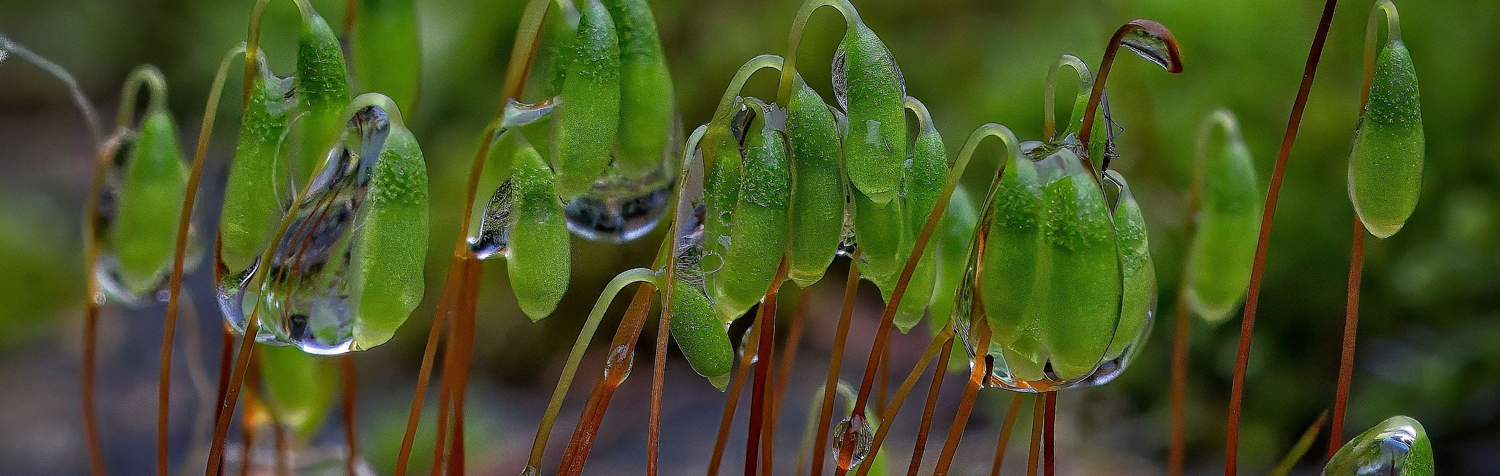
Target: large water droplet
{"x":619,"y":362}
{"x":116,"y":283}
{"x":852,"y":440}
{"x":618,"y":209}
{"x":303,"y":297}
{"x":494,"y":226}
{"x":1154,"y":42}
{"x":1397,"y":446}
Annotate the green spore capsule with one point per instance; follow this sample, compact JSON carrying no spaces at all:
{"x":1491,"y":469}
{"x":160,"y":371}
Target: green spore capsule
{"x":817,"y":207}
{"x":1138,"y":302}
{"x":721,"y":195}
{"x":1397,"y":446}
{"x":539,"y":257}
{"x":387,"y":50}
{"x":588,"y":111}
{"x":926,"y":171}
{"x":700,"y":335}
{"x":322,"y":88}
{"x":1014,"y":263}
{"x":299,"y":387}
{"x":1385,"y":167}
{"x":1223,"y":247}
{"x":756,"y":242}
{"x":869,"y":87}
{"x":952,"y":241}
{"x":1082,"y":293}
{"x":389,"y":258}
{"x":647,"y":117}
{"x":147,"y":200}
{"x":879,"y":230}
{"x":259,"y":184}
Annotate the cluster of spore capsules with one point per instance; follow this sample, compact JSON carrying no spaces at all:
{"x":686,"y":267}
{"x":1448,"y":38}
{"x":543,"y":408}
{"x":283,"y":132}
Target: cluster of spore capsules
{"x":1047,"y":278}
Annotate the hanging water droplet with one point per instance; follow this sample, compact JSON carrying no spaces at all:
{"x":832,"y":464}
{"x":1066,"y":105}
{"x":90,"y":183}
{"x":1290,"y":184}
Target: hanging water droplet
{"x":618,"y":209}
{"x":852,"y":440}
{"x":1397,"y":446}
{"x":848,"y":244}
{"x":303,"y":297}
{"x":152,"y":232}
{"x":494,"y":226}
{"x":530,"y":471}
{"x":1152,"y":41}
{"x":619,"y":362}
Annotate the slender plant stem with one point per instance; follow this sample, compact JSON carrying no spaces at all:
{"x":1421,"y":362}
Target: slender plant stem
{"x":1181,"y":329}
{"x":835,"y":360}
{"x":1096,"y":95}
{"x":80,"y":100}
{"x":658,"y":386}
{"x":351,"y":400}
{"x":851,"y":17}
{"x":1049,"y":433}
{"x":1033,"y":458}
{"x":1351,"y":328}
{"x":445,"y":403}
{"x":424,"y":373}
{"x":882,"y":381}
{"x":93,"y":300}
{"x":939,"y":342}
{"x":732,"y":399}
{"x":582,"y":441}
{"x":1005,"y":429}
{"x":789,"y":357}
{"x":765,"y":354}
{"x":977,"y":374}
{"x":1252,"y":300}
{"x":927,"y":410}
{"x":226,"y":354}
{"x":1299,"y":449}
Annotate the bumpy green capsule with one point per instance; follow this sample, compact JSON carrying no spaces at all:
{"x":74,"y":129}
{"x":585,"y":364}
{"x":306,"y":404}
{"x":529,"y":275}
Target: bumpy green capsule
{"x":1084,"y":288}
{"x":952,"y":239}
{"x":1014,"y":266}
{"x":1138,"y":301}
{"x":756,"y":240}
{"x":299,"y":387}
{"x":880,"y":231}
{"x":387,"y":50}
{"x":926,"y":173}
{"x":258,"y":182}
{"x":387,"y":279}
{"x":1223,"y":248}
{"x":817,"y":210}
{"x":150,"y":195}
{"x":539,"y":259}
{"x":871,"y":90}
{"x":1397,"y":446}
{"x":588,"y":113}
{"x":700,"y":334}
{"x":1385,"y":168}
{"x":322,"y":85}
{"x":647,"y":122}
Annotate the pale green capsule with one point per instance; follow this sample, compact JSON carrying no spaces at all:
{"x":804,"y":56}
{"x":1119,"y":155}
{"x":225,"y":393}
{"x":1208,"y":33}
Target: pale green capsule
{"x":146,"y":207}
{"x":952,"y":247}
{"x":756,"y":241}
{"x":1223,"y":247}
{"x":880,"y":231}
{"x":387,"y":50}
{"x":258,"y":182}
{"x":1385,"y":167}
{"x":539,"y":257}
{"x":700,"y":335}
{"x":299,"y":387}
{"x":721,"y":195}
{"x":386,"y":280}
{"x":647,"y":108}
{"x":1014,"y":262}
{"x":869,"y":86}
{"x":588,"y":114}
{"x":817,"y":207}
{"x":926,"y":173}
{"x":322,"y":88}
{"x":1397,"y":446}
{"x":1138,"y":302}
{"x":1082,"y":293}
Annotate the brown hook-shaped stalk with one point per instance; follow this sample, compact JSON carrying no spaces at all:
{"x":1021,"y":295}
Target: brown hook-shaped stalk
{"x":1147,"y":38}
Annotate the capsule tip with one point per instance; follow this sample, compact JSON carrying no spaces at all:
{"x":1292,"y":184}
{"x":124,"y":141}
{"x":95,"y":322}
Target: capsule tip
{"x":720,"y":382}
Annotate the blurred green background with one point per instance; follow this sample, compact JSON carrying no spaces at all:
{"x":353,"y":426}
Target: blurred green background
{"x":1430,"y":318}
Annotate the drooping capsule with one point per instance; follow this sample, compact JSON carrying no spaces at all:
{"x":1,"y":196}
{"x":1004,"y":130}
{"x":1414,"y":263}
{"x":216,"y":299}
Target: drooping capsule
{"x":322,"y":88}
{"x":1397,"y":446}
{"x":1138,"y":298}
{"x":755,"y":242}
{"x":1083,"y":289}
{"x":588,"y":114}
{"x":1223,"y":247}
{"x":1013,"y":267}
{"x":700,"y":334}
{"x":869,"y":87}
{"x":817,"y":207}
{"x":300,"y":388}
{"x":647,"y":108}
{"x":259,"y":183}
{"x":881,"y":230}
{"x":387,"y":50}
{"x":539,"y":257}
{"x":1385,"y":167}
{"x":139,"y":210}
{"x":926,"y":172}
{"x":952,"y":240}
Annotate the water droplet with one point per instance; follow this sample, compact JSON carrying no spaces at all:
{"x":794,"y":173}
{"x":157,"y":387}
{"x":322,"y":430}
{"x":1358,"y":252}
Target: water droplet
{"x":303,"y":297}
{"x":318,"y":461}
{"x":117,"y":283}
{"x":531,"y":471}
{"x":619,"y":209}
{"x":1152,"y":41}
{"x":848,"y":244}
{"x":852,"y":440}
{"x":617,"y":366}
{"x":1397,"y":446}
{"x":494,"y":226}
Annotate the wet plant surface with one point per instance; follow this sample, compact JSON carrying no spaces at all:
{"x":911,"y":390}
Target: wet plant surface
{"x":590,"y":165}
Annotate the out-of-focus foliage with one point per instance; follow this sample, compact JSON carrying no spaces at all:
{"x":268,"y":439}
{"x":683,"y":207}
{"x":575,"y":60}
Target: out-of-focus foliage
{"x":1430,"y":319}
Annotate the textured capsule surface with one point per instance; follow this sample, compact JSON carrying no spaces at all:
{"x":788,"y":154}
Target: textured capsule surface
{"x":755,"y":243}
{"x":387,"y":280}
{"x":1223,"y":247}
{"x":647,"y":110}
{"x":1138,"y":299}
{"x":322,"y":88}
{"x":952,"y":240}
{"x":1385,"y":167}
{"x":817,"y":206}
{"x":1082,"y":293}
{"x":926,"y":173}
{"x":141,"y":220}
{"x":702,"y":337}
{"x":258,"y":182}
{"x":539,"y":259}
{"x":869,"y":86}
{"x":1397,"y":446}
{"x":588,"y":113}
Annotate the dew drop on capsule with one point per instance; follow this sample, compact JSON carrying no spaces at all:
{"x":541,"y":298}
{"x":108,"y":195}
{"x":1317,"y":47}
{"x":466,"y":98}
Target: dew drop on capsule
{"x":1397,"y":446}
{"x":138,"y":210}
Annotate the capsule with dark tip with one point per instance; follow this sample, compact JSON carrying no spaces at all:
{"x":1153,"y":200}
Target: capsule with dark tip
{"x":587,"y":117}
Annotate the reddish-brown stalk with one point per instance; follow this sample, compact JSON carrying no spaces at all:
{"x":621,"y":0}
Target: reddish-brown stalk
{"x":888,"y":416}
{"x":1005,"y":428}
{"x":351,"y":387}
{"x":1049,"y":432}
{"x":789,"y":356}
{"x":92,"y":301}
{"x":978,"y":373}
{"x":927,"y":410}
{"x":765,"y":360}
{"x":424,"y":373}
{"x":1033,"y":458}
{"x":882,"y":381}
{"x":731,"y":402}
{"x":1178,"y":452}
{"x":593,"y":412}
{"x":249,"y":429}
{"x":226,"y":352}
{"x":236,"y":380}
{"x":658,"y":386}
{"x":1351,"y":326}
{"x":464,"y":343}
{"x":835,"y":359}
{"x":1252,"y":299}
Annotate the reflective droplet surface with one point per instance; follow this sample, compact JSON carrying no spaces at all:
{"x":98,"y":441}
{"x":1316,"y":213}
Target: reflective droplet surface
{"x":135,"y":228}
{"x":617,"y":366}
{"x":1153,"y":42}
{"x":317,"y":461}
{"x":617,"y":209}
{"x":1397,"y":446}
{"x":852,"y":440}
{"x":303,"y":298}
{"x":494,"y":225}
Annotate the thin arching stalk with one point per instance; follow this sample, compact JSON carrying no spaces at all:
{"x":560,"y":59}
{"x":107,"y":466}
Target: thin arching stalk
{"x":939,"y":342}
{"x":793,"y":341}
{"x":979,"y":371}
{"x":1005,"y":428}
{"x":1252,"y":299}
{"x":765,"y":360}
{"x":1033,"y":458}
{"x":835,"y":360}
{"x":226,"y":354}
{"x":91,"y":310}
{"x":351,"y":400}
{"x":658,"y":384}
{"x":1357,"y":245}
{"x":732,"y":398}
{"x":851,"y":16}
{"x":920,"y":445}
{"x":623,"y":344}
{"x":1172,"y":61}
